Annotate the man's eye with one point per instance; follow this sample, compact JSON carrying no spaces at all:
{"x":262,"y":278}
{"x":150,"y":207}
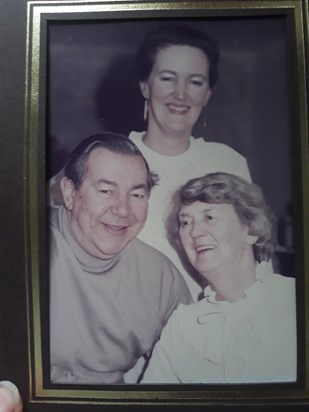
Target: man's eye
{"x":105,"y":191}
{"x":138,"y":195}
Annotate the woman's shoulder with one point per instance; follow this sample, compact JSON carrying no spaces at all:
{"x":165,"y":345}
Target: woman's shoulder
{"x":264,"y":273}
{"x":136,"y":137}
{"x":200,"y":143}
{"x":274,"y":284}
{"x":284,"y":282}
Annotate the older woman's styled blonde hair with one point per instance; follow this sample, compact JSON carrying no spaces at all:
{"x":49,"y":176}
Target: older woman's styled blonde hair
{"x":246,"y":198}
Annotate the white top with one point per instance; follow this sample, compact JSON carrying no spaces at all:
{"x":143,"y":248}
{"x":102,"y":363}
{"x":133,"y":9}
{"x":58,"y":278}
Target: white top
{"x":249,"y":341}
{"x":174,"y":171}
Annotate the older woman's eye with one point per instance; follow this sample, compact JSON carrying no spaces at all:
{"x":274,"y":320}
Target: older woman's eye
{"x":184,"y":223}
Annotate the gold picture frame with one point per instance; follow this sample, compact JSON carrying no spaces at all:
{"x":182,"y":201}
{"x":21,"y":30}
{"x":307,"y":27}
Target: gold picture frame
{"x":24,"y":295}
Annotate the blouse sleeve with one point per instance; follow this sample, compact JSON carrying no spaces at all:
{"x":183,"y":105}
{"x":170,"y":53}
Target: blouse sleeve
{"x":162,"y":367}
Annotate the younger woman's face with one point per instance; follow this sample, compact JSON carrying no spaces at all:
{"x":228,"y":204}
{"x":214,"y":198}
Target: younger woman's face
{"x":177,"y":89}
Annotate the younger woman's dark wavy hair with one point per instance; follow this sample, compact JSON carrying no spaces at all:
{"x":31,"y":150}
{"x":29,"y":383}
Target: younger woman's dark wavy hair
{"x":176,"y":35}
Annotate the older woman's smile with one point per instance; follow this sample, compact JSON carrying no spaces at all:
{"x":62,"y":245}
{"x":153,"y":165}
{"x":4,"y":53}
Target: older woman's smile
{"x":204,"y":248}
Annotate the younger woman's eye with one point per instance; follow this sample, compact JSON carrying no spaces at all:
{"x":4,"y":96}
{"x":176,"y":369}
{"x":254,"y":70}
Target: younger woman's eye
{"x":198,"y":81}
{"x":166,"y":77}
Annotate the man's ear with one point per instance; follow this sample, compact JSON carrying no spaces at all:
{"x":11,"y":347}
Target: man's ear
{"x":68,"y":192}
{"x":144,"y":89}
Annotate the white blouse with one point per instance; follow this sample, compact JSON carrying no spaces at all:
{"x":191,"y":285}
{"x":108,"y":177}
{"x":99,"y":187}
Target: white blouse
{"x":249,"y":341}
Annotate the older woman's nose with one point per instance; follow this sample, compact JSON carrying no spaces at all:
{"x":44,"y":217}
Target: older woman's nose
{"x":197,"y":230}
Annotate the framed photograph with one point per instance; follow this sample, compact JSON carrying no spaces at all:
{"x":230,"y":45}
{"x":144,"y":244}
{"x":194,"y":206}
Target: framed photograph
{"x":68,"y":72}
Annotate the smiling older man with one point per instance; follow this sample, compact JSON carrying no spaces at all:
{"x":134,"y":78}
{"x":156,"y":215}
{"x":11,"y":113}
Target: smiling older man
{"x":110,"y":293}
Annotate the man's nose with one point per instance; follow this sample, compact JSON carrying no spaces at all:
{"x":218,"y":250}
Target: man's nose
{"x":121,"y":206}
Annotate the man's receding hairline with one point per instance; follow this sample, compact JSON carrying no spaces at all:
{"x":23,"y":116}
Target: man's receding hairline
{"x":132,"y":155}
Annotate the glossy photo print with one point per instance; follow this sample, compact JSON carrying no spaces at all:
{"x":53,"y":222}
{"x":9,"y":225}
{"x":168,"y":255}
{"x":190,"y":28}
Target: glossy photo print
{"x":168,"y":85}
{"x":165,"y":165}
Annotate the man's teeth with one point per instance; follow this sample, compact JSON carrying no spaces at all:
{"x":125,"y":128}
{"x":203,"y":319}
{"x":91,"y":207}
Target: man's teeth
{"x":115,"y":228}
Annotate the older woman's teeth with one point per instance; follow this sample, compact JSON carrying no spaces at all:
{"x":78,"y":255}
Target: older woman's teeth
{"x":200,"y":249}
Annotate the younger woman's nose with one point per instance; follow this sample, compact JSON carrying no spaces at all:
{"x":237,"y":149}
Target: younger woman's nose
{"x":180,"y":89}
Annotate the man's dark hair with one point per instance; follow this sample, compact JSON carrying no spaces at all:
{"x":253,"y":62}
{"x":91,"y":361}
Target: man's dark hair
{"x":76,"y":166}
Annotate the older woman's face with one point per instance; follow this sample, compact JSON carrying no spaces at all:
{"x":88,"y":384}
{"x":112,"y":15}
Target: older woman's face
{"x":177,"y":89}
{"x":213,"y":237}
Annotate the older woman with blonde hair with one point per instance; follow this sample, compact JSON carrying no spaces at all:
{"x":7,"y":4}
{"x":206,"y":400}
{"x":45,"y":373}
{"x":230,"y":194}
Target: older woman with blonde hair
{"x":244,"y":329}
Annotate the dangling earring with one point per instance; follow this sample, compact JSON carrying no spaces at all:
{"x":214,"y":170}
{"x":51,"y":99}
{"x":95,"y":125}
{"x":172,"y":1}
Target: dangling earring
{"x":146,"y":110}
{"x":204,"y":111}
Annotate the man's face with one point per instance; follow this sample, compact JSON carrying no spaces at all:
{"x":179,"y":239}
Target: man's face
{"x":110,"y":207}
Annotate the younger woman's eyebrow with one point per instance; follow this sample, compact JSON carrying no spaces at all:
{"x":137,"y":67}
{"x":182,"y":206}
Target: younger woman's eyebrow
{"x":167,"y":71}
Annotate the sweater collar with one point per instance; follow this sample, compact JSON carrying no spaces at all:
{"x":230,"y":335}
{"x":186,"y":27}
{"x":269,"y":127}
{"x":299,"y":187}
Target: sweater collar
{"x":88,"y":262}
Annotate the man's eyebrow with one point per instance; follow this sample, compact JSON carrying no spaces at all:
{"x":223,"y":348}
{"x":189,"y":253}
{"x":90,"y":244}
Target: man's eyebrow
{"x":106,"y":181}
{"x":139,"y":186}
{"x":114,"y":184}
